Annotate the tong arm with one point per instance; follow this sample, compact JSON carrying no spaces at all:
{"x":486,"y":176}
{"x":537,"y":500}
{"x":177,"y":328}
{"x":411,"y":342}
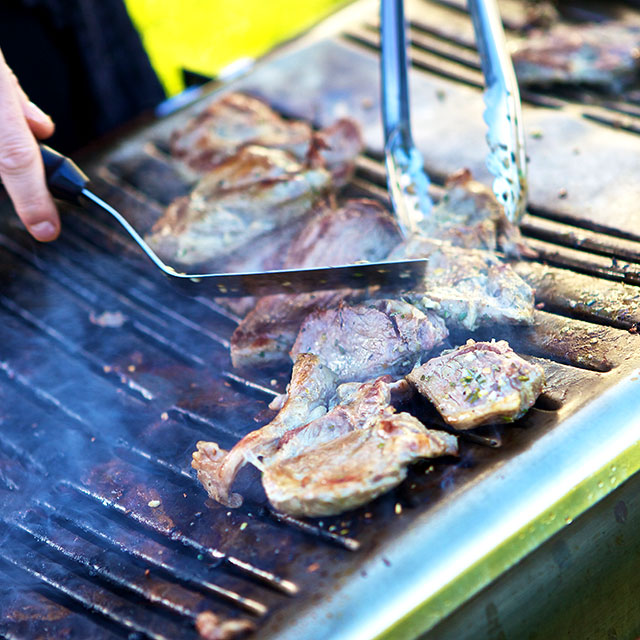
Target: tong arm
{"x":506,"y":159}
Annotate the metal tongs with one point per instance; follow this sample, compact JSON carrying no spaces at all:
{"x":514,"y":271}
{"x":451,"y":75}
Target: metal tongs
{"x":506,"y":160}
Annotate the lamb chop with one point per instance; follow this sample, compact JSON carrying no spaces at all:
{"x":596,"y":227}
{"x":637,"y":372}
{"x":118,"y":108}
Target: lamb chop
{"x":301,"y":422}
{"x":467,"y":287}
{"x":236,"y":120}
{"x":468,"y":215}
{"x":353,"y":469}
{"x":360,"y":407}
{"x":312,"y":386}
{"x":599,"y":54}
{"x":479,"y":383}
{"x":363,"y":341}
{"x":249,"y":194}
{"x":335,"y":236}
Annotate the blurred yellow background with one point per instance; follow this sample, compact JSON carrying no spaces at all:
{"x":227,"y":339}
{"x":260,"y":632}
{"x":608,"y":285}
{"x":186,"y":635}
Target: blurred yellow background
{"x":206,"y":35}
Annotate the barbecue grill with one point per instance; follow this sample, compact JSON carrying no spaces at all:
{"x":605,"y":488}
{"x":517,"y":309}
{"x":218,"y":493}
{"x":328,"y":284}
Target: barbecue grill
{"x":108,"y":378}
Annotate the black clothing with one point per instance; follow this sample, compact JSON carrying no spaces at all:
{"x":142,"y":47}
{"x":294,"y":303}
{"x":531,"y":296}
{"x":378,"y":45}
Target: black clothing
{"x":81,"y":61}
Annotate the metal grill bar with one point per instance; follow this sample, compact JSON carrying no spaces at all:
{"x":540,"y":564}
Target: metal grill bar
{"x":87,"y":594}
{"x":41,"y":615}
{"x":280,"y":584}
{"x":598,"y":301}
{"x":250,"y":387}
{"x":422,"y":59}
{"x":162,"y":558}
{"x":99,"y":562}
{"x":607,"y":268}
{"x":456,"y":50}
{"x":582,"y":239}
{"x":17,"y":452}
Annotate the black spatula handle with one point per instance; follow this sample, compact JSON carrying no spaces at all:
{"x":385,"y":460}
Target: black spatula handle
{"x":64,"y":178}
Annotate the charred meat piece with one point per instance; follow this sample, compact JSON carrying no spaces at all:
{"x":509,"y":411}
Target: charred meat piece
{"x":210,"y":627}
{"x":265,"y":254}
{"x":237,"y":120}
{"x":234,"y":121}
{"x":359,"y":230}
{"x":251,"y":193}
{"x":358,"y":404}
{"x":600,"y":54}
{"x":267,"y":333}
{"x":468,"y":215}
{"x":479,"y":383}
{"x":312,"y":386}
{"x":467,"y":287}
{"x":364,"y":341}
{"x":353,"y":469}
{"x":335,"y":236}
{"x":335,"y":148}
{"x":525,"y":15}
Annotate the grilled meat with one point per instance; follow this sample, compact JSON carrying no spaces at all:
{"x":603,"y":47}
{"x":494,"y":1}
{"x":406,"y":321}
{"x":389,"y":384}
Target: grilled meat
{"x":335,"y":148}
{"x":332,"y":448}
{"x":301,"y":434}
{"x":479,"y":383}
{"x":603,"y":55}
{"x":468,"y":215}
{"x":359,"y":230}
{"x":236,"y":120}
{"x":467,"y":287}
{"x":358,"y":404}
{"x":528,"y":14}
{"x":251,"y":193}
{"x":268,"y":332}
{"x":312,"y":386}
{"x":210,"y":627}
{"x":363,"y":341}
{"x":354,"y":468}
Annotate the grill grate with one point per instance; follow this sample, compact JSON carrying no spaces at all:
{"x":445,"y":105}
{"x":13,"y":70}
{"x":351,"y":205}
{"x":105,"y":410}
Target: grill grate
{"x":107,"y":380}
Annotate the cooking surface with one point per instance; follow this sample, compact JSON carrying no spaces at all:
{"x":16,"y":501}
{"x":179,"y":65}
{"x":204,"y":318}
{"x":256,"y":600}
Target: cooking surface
{"x":108,"y":377}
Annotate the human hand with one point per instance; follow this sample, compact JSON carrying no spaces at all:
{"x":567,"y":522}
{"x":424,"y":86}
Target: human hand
{"x":21,"y":168}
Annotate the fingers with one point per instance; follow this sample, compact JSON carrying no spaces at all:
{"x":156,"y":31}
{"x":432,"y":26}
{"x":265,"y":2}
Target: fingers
{"x":21,"y":168}
{"x":40,"y":123}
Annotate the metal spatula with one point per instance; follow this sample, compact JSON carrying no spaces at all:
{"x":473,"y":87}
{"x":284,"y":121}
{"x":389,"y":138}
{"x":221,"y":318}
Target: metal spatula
{"x":67,"y":182}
